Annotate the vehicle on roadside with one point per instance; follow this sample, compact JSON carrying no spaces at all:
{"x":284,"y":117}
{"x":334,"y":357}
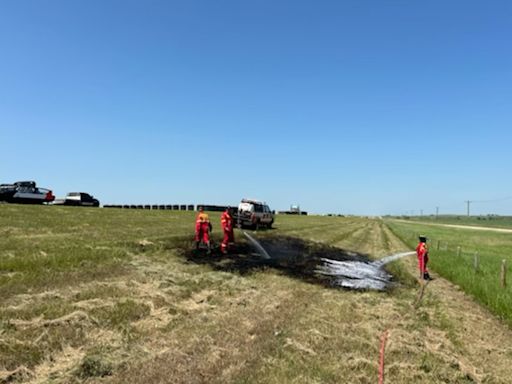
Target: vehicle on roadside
{"x":253,"y":214}
{"x":25,"y":192}
{"x":81,"y":199}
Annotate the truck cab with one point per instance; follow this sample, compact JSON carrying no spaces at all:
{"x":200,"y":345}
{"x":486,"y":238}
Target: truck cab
{"x":254,"y":214}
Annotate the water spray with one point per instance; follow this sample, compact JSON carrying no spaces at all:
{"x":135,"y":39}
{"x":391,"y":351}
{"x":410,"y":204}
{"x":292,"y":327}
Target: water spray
{"x":257,"y":245}
{"x":353,"y":274}
{"x":390,"y":258}
{"x":359,"y":274}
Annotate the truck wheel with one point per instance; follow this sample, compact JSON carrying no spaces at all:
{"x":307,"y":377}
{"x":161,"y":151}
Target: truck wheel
{"x":270,"y":224}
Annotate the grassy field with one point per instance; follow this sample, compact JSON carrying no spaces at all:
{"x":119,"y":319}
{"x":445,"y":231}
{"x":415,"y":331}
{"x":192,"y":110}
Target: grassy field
{"x":482,"y":283}
{"x":118,"y":296}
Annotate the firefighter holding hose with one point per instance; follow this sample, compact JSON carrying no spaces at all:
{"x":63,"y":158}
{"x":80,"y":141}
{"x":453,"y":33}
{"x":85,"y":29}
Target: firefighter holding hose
{"x":203,"y":229}
{"x":422,"y":253}
{"x":226,"y":222}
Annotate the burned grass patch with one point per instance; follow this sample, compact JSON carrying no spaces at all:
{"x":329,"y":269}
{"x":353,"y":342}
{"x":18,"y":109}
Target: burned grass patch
{"x":309,"y":261}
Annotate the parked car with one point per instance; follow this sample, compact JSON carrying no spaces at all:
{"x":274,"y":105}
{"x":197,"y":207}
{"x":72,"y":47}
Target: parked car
{"x":25,"y":192}
{"x":79,"y":199}
{"x":254,"y":214}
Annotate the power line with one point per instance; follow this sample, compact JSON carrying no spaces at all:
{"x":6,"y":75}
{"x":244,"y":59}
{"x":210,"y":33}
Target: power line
{"x":492,"y":201}
{"x":468,"y":202}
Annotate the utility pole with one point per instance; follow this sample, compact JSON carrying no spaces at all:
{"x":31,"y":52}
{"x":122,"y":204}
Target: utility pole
{"x":468,"y":202}
{"x":437,"y":212}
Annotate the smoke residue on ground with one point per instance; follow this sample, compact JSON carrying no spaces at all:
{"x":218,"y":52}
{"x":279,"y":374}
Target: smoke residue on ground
{"x":313,"y":262}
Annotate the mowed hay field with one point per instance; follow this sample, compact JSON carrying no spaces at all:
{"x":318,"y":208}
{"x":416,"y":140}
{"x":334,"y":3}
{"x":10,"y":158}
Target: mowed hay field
{"x":116,"y":296}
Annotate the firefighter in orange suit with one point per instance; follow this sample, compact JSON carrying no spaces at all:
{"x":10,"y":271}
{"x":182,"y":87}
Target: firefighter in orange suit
{"x":203,"y":228}
{"x":226,"y":222}
{"x":422,"y":253}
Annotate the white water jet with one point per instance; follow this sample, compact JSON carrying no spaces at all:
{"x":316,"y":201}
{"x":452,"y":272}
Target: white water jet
{"x":354,"y":274}
{"x":396,"y":256}
{"x":349,"y":273}
{"x":257,"y":245}
{"x":359,"y":274}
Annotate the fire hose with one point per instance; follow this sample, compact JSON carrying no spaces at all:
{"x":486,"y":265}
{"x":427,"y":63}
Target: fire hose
{"x":383,"y":340}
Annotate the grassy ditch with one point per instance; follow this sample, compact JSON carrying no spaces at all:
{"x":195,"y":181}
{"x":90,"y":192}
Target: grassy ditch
{"x":480,"y":278}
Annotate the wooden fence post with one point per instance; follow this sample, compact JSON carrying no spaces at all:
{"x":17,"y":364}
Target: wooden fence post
{"x":503,"y":275}
{"x":475,"y":262}
{"x":438,"y":244}
{"x":458,"y":250}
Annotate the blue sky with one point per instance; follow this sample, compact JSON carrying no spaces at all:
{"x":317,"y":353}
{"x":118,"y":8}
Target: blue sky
{"x":356,"y":107}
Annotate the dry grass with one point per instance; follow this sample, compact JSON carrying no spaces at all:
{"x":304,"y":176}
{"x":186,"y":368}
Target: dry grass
{"x":163,"y":317}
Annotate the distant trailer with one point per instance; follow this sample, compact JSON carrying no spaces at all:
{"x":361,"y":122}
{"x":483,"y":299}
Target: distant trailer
{"x":212,"y":208}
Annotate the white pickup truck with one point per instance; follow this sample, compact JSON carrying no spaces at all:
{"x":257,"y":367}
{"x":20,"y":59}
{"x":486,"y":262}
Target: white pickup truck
{"x":253,"y":214}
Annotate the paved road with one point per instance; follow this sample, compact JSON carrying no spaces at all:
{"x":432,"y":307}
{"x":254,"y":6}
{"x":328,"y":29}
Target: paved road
{"x":472,"y":227}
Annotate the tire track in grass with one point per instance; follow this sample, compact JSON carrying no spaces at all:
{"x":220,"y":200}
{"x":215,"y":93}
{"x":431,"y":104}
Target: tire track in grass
{"x":355,"y":240}
{"x":372,"y":243}
{"x":337,"y":235}
{"x":328,"y":234}
{"x":311,"y":232}
{"x":380,"y":243}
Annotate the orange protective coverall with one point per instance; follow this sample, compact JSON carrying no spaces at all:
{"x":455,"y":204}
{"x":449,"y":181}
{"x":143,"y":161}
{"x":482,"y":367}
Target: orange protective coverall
{"x":226,"y":222}
{"x":202,"y":227}
{"x":422,"y":253}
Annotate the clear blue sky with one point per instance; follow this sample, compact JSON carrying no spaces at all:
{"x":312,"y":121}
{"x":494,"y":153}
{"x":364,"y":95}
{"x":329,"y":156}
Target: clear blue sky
{"x":357,"y":107}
